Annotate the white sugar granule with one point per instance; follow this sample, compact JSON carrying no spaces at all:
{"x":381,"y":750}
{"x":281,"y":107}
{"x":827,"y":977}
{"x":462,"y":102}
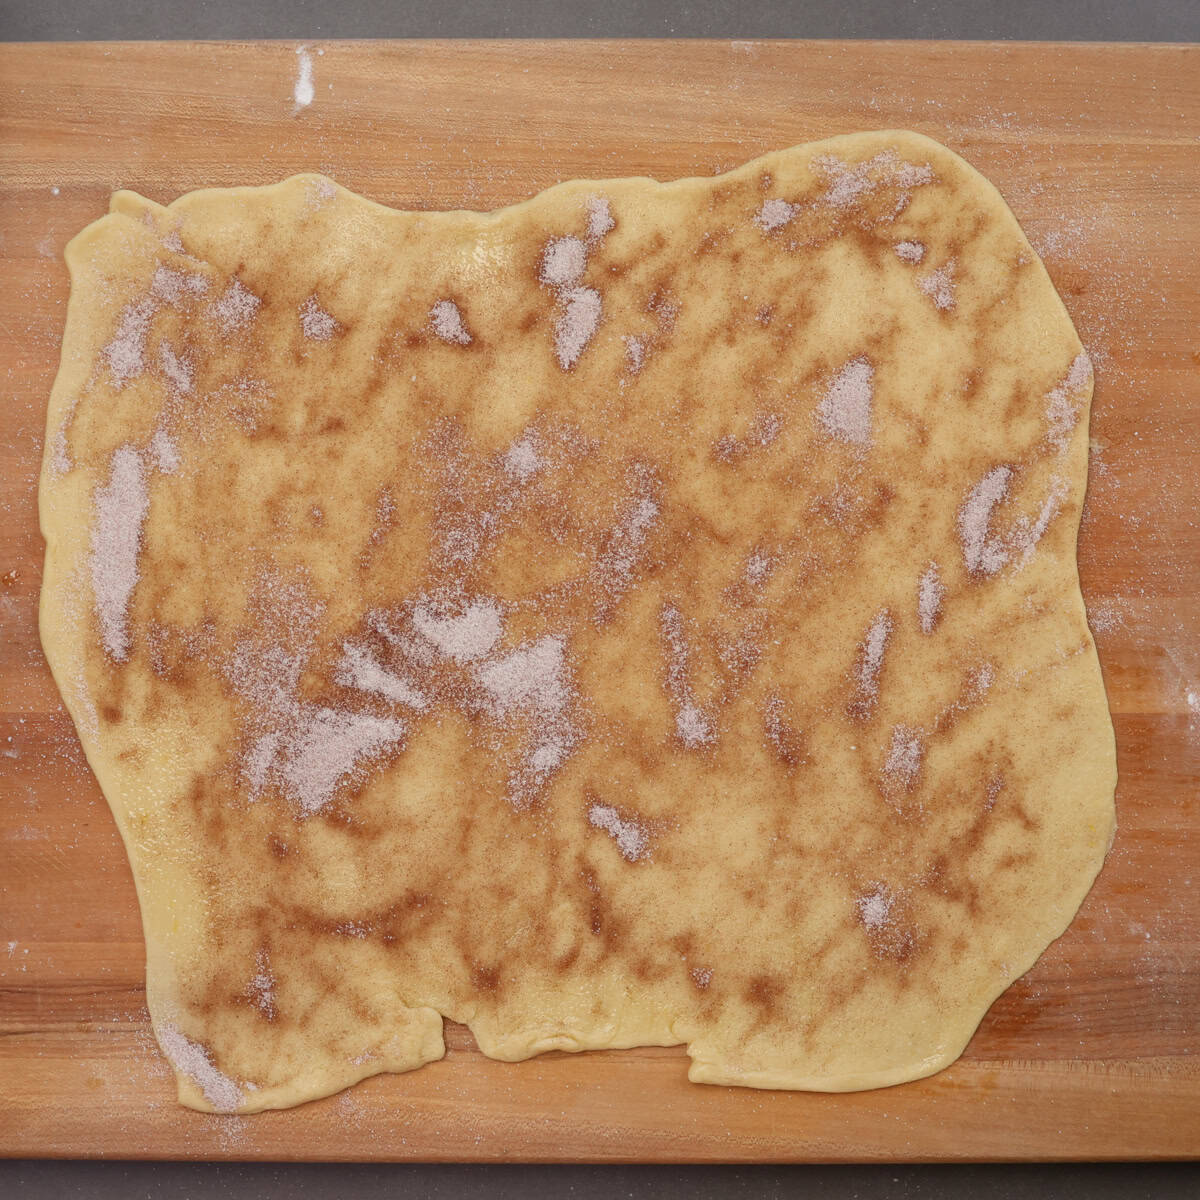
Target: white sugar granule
{"x":910,"y":175}
{"x":1027,"y":534}
{"x":317,"y":324}
{"x":774,"y":214}
{"x":521,"y":459}
{"x":327,"y":746}
{"x":267,"y":677}
{"x":529,"y":677}
{"x":620,"y":556}
{"x":576,"y":325}
{"x":464,"y":636}
{"x":905,"y":755}
{"x":910,"y":252}
{"x":767,"y":427}
{"x":1106,"y":616}
{"x":259,"y":760}
{"x":984,"y":555}
{"x":261,"y":988}
{"x":563,"y":261}
{"x":547,"y":755}
{"x":191,"y":1059}
{"x":693,"y":726}
{"x":126,"y":353}
{"x":171,"y":286}
{"x":448,"y":324}
{"x":319,"y":193}
{"x":121,"y":507}
{"x":702,"y":976}
{"x":164,"y":452}
{"x":848,"y":183}
{"x":358,"y":669}
{"x":871,"y":656}
{"x":1061,"y":411}
{"x":939,"y":286}
{"x":173,"y":242}
{"x":632,"y":840}
{"x":845,"y":409}
{"x":758,"y":567}
{"x":979,"y":682}
{"x":599,"y":217}
{"x":236,"y":307}
{"x":177,"y":370}
{"x":60,"y":458}
{"x":874,"y":908}
{"x":303,"y":92}
{"x":930,"y":592}
{"x":635,"y":352}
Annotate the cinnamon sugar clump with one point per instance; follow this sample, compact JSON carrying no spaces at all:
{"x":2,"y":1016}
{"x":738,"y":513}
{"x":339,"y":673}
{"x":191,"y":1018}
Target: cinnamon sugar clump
{"x":463,"y":635}
{"x":576,"y":324}
{"x":847,"y":184}
{"x":870,"y":663}
{"x":910,"y":252}
{"x":1061,"y":410}
{"x":530,"y":683}
{"x":448,"y":323}
{"x":939,"y":286}
{"x":845,"y":409}
{"x":172,"y":286}
{"x":522,"y":460}
{"x":775,"y":214}
{"x":875,"y":908}
{"x":121,"y":506}
{"x":563,"y":262}
{"x":930,"y":592}
{"x":599,"y":217}
{"x":359,"y":669}
{"x":326,"y":746}
{"x":192,"y":1059}
{"x":164,"y":452}
{"x":261,"y":988}
{"x":631,"y":837}
{"x":635,"y":352}
{"x":617,"y":561}
{"x":126,"y":353}
{"x":1026,"y":534}
{"x":983,"y":553}
{"x":236,"y":307}
{"x":316,"y":323}
{"x":178,"y":371}
{"x":693,"y":726}
{"x":904,"y":759}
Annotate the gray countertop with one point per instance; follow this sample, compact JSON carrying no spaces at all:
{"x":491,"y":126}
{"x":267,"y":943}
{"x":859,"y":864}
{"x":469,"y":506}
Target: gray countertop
{"x":1080,"y":20}
{"x":1027,"y":20}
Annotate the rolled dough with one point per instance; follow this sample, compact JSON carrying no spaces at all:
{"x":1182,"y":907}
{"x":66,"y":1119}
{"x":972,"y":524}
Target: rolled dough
{"x":645,"y":615}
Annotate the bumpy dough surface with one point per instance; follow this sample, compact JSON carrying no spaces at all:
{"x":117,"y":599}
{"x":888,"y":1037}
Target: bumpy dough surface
{"x":644,"y":615}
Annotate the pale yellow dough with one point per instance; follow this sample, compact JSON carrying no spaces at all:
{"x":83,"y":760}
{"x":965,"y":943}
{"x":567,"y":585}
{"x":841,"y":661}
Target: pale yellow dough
{"x":467,"y":623}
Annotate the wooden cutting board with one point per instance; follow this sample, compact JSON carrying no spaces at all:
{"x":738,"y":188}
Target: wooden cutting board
{"x":1097,"y":148}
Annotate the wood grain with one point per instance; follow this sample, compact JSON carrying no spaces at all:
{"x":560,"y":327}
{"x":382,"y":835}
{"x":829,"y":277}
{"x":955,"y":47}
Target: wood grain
{"x":1097,"y":148}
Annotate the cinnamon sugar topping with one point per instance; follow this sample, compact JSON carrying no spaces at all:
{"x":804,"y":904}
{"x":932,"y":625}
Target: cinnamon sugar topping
{"x":448,"y":323}
{"x":845,"y":409}
{"x":317,"y":324}
{"x":121,"y":507}
{"x":939,"y":285}
{"x":930,"y":592}
{"x":631,"y":837}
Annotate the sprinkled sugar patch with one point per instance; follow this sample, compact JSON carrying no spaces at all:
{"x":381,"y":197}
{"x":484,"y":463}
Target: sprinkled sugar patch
{"x":448,"y":323}
{"x":845,"y":409}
